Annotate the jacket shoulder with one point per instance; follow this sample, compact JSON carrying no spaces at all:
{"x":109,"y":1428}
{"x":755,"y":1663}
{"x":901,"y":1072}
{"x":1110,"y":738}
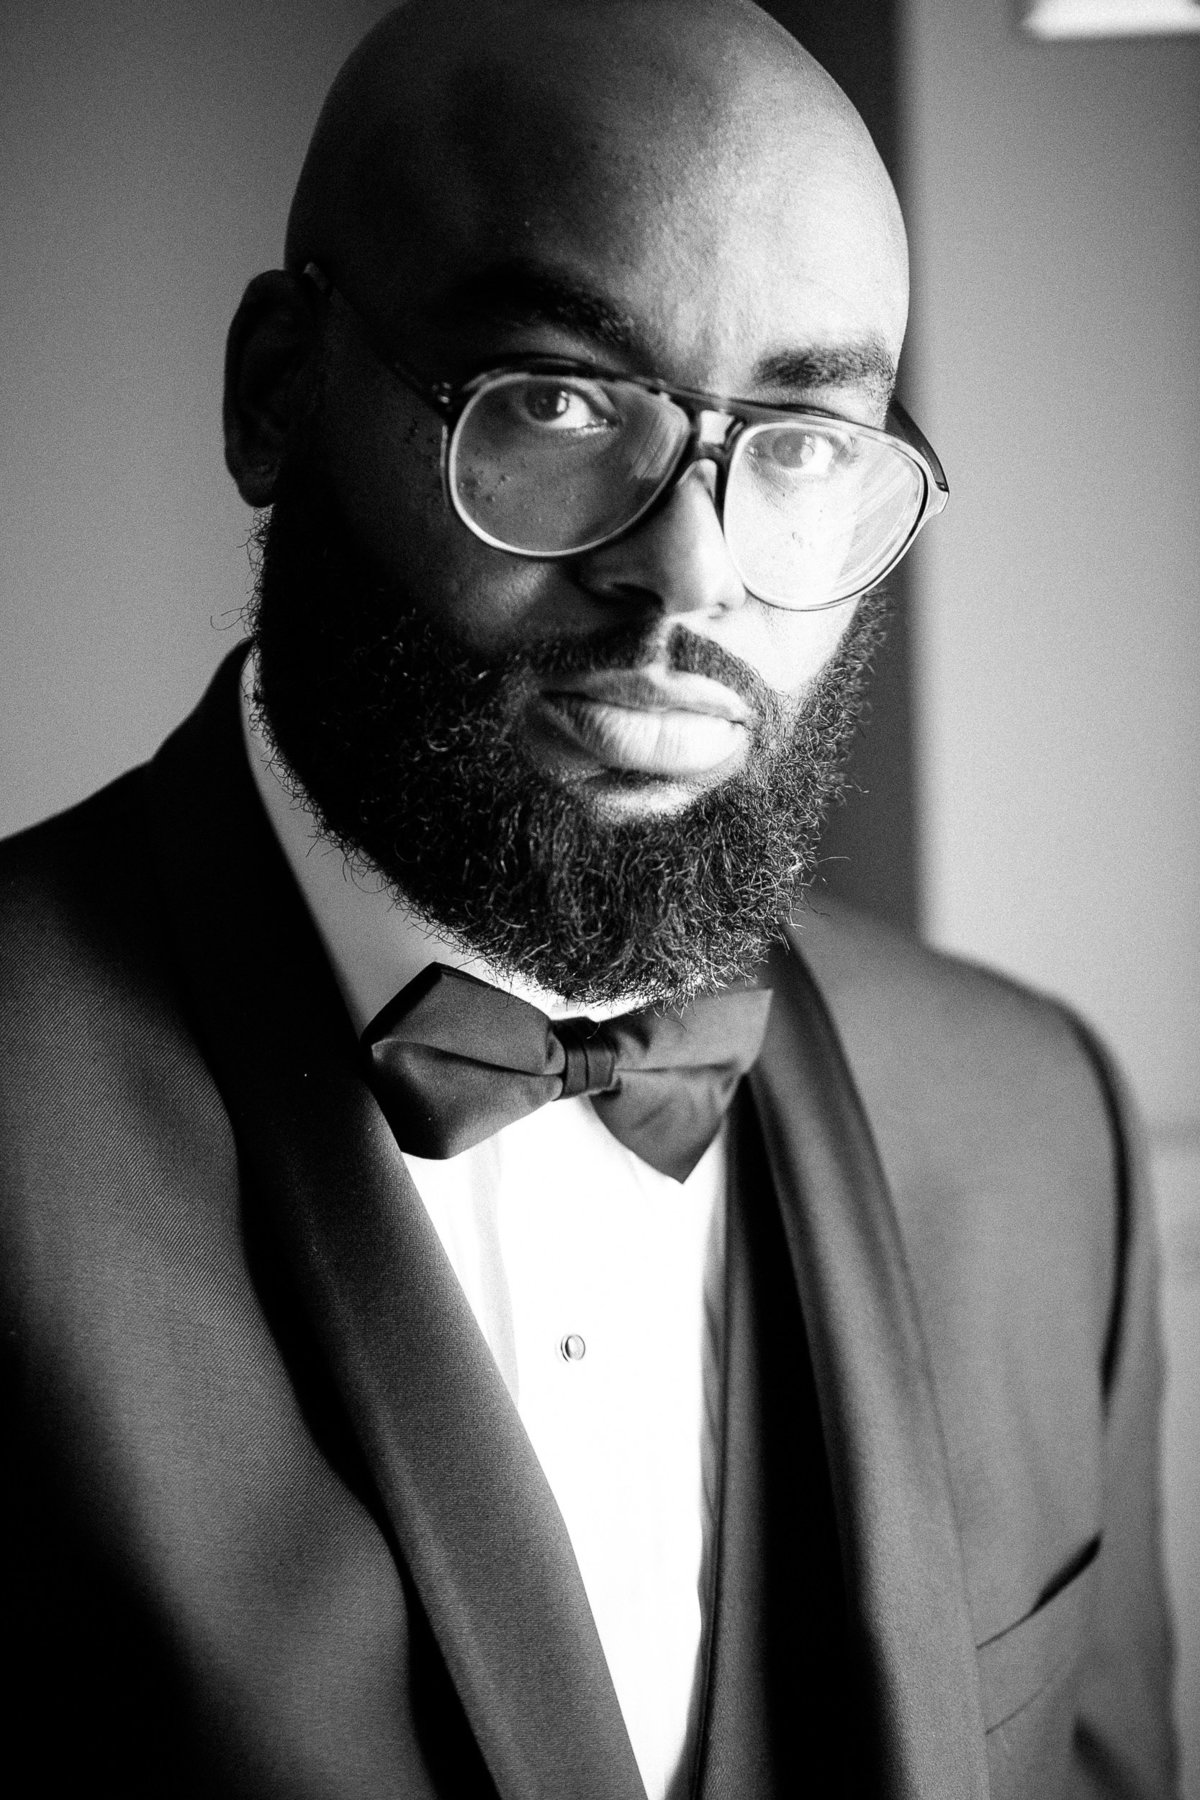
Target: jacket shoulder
{"x":98,"y":1061}
{"x":940,"y":1041}
{"x":77,"y":915}
{"x":1008,"y":1148}
{"x":873,"y":974}
{"x":30,"y":857}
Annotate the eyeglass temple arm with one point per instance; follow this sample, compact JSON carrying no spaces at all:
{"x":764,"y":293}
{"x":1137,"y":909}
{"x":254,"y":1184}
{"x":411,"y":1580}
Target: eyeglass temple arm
{"x":437,"y":394}
{"x":908,"y":429}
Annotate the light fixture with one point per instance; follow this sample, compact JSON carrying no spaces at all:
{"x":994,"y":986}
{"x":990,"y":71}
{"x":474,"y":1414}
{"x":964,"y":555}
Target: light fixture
{"x":1108,"y":18}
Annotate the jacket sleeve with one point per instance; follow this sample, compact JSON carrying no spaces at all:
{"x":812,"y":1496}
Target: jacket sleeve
{"x":1124,"y":1741}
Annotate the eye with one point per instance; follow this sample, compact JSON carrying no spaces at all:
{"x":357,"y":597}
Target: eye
{"x":802,"y":451}
{"x":553,"y":405}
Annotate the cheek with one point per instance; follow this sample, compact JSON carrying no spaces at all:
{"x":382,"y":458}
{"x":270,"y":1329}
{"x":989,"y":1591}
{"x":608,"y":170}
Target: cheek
{"x":385,"y":464}
{"x":788,"y":649}
{"x":382,"y":450}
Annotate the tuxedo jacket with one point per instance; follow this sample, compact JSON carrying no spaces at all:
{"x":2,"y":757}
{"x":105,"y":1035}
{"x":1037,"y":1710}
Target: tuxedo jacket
{"x":274,"y":1528}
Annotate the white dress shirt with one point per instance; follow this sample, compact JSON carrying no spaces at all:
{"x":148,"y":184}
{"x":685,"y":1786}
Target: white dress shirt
{"x":597,"y":1283}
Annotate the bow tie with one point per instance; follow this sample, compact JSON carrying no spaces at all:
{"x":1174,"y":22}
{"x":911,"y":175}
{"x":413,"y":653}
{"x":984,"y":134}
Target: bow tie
{"x":454,"y":1060}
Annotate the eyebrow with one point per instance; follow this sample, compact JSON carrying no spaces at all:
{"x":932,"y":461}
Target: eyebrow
{"x":522,"y":292}
{"x":525,"y":293}
{"x":867,"y":365}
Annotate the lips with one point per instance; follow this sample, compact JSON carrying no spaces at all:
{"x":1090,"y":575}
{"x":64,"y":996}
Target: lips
{"x":650,"y":690}
{"x":651,"y":722}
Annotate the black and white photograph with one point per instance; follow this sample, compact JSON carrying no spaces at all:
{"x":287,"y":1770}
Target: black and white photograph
{"x":600,"y":899}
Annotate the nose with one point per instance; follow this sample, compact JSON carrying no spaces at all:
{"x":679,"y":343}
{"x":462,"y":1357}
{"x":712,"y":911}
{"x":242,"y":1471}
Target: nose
{"x":675,"y":561}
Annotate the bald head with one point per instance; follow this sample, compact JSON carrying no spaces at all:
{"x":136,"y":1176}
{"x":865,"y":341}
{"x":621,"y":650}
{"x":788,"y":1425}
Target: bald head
{"x":608,"y":138}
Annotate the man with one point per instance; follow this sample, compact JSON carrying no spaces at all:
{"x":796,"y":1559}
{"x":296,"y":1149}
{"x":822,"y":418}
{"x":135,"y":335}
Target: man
{"x":498,"y":1304}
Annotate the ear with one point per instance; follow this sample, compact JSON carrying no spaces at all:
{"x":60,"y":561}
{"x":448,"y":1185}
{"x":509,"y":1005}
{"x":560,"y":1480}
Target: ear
{"x":268,"y":359}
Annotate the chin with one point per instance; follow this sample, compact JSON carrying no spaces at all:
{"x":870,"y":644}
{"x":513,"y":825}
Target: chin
{"x":620,"y":794}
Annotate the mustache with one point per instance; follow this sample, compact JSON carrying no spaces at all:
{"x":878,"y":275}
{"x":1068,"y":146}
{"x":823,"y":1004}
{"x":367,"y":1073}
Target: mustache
{"x":637,"y":644}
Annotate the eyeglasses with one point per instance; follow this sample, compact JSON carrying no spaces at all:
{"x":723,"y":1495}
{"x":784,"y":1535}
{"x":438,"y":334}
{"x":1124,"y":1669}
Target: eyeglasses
{"x":552,"y":458}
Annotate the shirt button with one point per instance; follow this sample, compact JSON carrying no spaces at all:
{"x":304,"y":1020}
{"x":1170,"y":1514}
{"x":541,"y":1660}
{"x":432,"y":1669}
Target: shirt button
{"x":572,"y":1348}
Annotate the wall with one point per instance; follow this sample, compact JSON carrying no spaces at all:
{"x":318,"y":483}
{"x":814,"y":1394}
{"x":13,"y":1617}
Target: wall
{"x":1055,"y":194}
{"x":149,"y":153}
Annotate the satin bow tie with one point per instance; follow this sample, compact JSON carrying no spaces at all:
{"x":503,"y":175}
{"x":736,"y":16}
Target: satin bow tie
{"x":453,"y":1060}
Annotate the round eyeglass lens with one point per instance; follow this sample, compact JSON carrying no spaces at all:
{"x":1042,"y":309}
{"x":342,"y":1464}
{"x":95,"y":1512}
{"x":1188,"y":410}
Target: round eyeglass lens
{"x":816,"y":512}
{"x":550,"y":464}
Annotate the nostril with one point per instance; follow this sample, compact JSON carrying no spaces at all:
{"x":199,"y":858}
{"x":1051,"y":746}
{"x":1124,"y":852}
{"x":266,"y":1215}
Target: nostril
{"x":638,"y":599}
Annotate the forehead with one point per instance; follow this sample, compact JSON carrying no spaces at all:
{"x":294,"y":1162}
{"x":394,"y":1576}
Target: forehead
{"x":725,"y":213}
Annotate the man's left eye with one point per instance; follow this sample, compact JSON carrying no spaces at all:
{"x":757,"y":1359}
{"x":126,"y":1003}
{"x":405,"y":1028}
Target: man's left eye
{"x":815,"y":454}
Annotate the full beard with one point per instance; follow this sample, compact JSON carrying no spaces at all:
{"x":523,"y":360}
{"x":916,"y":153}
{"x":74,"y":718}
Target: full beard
{"x":406,"y":745}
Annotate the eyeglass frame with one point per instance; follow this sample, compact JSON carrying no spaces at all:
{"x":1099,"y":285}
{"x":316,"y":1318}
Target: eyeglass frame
{"x":450,"y":400}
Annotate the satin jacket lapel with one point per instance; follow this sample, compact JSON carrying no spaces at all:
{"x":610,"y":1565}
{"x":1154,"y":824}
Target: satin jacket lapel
{"x":474,"y":1520}
{"x":781,"y":1714}
{"x":887,"y":1460}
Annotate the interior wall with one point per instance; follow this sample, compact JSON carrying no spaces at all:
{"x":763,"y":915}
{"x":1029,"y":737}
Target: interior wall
{"x":149,"y":153}
{"x":1054,"y":191}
